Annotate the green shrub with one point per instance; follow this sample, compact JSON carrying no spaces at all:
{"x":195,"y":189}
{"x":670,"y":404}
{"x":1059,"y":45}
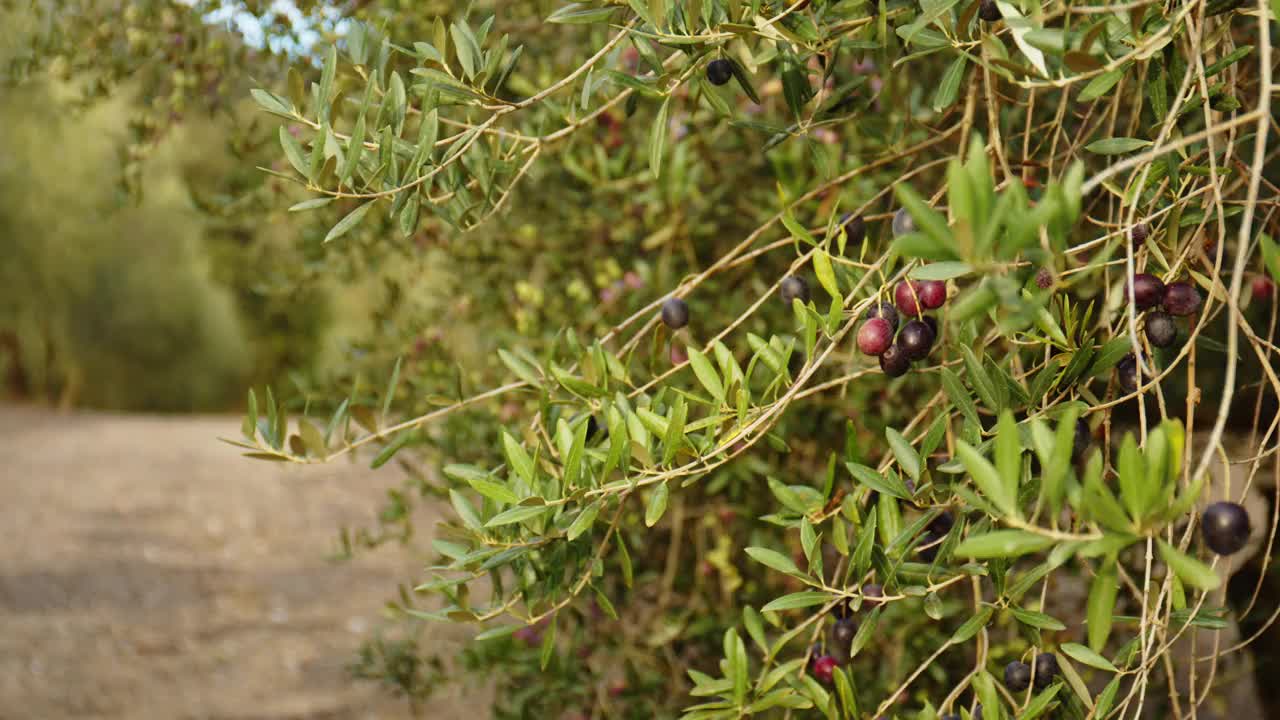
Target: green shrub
{"x":670,"y":518}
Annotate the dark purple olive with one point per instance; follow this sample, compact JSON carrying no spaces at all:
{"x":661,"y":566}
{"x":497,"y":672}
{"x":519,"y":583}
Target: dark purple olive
{"x":796,"y":362}
{"x":989,"y":11}
{"x":942,"y":524}
{"x":1127,"y":374}
{"x":675,"y":313}
{"x":594,"y":426}
{"x":930,"y":544}
{"x":1045,"y":669}
{"x":855,"y":228}
{"x":1146,"y":291}
{"x":1181,"y":299}
{"x":1160,"y":329}
{"x":1225,"y":527}
{"x":719,"y":71}
{"x":884,"y":310}
{"x":842,"y":633}
{"x":793,"y":288}
{"x":1081,"y":441}
{"x":1017,"y":676}
{"x":916,"y":339}
{"x":895,"y":362}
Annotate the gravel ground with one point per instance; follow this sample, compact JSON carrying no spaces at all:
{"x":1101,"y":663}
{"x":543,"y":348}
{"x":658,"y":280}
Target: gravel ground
{"x":149,"y":571}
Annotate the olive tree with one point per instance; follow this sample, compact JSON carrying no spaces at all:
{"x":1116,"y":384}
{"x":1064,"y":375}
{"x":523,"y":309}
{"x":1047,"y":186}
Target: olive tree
{"x":792,"y":359}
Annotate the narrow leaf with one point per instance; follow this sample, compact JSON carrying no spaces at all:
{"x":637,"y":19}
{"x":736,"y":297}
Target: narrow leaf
{"x":1270,"y":255}
{"x":906,"y":455}
{"x":803,"y":599}
{"x":949,"y":86}
{"x":293,"y":152}
{"x":584,"y":521}
{"x":1102,"y":84}
{"x":986,"y":478}
{"x":1188,"y":569}
{"x":391,"y":390}
{"x":466,"y":511}
{"x":1101,"y":605}
{"x":658,"y":138}
{"x":517,"y":514}
{"x":1085,"y":656}
{"x":826,"y":275}
{"x":517,"y":458}
{"x":657,"y":505}
{"x":889,"y":485}
{"x":980,"y":378}
{"x":311,"y":204}
{"x":1116,"y":146}
{"x":1037,"y":619}
{"x":971,"y":626}
{"x":1008,"y":451}
{"x":1001,"y":544}
{"x":775,"y":560}
{"x":959,"y":395}
{"x":706,"y":374}
{"x":352,"y":219}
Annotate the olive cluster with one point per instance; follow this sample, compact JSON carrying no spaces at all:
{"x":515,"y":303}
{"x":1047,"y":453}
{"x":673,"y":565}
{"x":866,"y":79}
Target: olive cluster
{"x":838,"y":648}
{"x":1018,"y":676}
{"x":1161,"y":303}
{"x":897,"y":347}
{"x":1177,"y":299}
{"x":880,"y":335}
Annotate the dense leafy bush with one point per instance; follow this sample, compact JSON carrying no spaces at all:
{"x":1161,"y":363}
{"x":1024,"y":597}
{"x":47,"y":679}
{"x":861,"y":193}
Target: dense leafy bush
{"x":729,"y":505}
{"x":689,"y":509}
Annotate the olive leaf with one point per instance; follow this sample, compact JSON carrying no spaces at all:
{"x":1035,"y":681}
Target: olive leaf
{"x":1002,"y":544}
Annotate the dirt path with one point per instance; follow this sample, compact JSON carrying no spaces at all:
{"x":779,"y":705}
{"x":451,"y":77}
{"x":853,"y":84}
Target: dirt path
{"x":148,"y":571}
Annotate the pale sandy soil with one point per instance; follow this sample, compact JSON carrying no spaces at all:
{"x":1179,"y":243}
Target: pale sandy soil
{"x":148,"y":571}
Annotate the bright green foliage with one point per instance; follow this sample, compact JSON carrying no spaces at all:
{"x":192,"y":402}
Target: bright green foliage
{"x":449,"y":125}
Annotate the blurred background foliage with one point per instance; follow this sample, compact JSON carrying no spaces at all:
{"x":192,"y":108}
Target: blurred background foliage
{"x":140,"y":271}
{"x":105,"y":301}
{"x":157,"y":267}
{"x":151,"y":103}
